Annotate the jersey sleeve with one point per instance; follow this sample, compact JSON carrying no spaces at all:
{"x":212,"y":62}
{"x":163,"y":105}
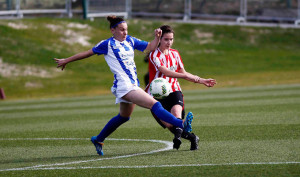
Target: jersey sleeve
{"x":138,"y":44}
{"x":101,"y":48}
{"x":156,"y":60}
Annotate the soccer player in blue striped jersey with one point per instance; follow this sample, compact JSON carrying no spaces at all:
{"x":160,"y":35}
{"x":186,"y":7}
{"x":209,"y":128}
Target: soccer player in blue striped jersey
{"x":118,"y":52}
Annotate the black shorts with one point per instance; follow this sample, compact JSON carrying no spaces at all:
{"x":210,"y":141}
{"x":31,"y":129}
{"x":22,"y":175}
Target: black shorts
{"x":175,"y":98}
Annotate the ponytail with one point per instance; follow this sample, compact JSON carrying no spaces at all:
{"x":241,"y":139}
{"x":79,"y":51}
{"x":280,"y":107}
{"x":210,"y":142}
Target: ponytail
{"x":114,"y":21}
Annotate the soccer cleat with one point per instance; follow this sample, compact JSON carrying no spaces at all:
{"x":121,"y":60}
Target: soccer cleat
{"x":97,"y":145}
{"x":176,"y":143}
{"x":194,"y":142}
{"x":177,"y":140}
{"x":187,"y":126}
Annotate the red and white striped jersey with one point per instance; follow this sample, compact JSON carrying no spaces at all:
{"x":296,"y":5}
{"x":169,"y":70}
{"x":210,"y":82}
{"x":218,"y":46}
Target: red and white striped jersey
{"x":172,"y":61}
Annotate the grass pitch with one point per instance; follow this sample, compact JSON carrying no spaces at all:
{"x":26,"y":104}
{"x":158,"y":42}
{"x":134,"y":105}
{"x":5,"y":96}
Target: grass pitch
{"x":245,"y":131}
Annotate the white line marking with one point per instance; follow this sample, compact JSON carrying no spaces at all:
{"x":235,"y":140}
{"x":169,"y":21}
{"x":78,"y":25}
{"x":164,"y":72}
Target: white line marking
{"x":164,"y":166}
{"x":169,"y":145}
{"x":148,"y":166}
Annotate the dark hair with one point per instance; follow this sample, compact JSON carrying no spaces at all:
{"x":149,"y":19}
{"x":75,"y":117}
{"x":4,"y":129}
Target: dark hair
{"x":113,"y":20}
{"x":166,"y":29}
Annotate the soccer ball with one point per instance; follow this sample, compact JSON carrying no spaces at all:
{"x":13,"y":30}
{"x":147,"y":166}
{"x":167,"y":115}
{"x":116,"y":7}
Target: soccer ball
{"x":160,"y":88}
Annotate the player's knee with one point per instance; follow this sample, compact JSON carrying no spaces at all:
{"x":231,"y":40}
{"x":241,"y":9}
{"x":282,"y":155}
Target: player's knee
{"x":177,"y":111}
{"x":177,"y":114}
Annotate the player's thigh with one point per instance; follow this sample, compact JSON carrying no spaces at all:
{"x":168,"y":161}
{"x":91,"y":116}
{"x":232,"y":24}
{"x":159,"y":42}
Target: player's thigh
{"x":141,"y":98}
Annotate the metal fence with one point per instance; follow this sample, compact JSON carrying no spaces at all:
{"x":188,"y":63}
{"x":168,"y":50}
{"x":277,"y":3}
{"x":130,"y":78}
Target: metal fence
{"x":274,"y":11}
{"x":282,"y":11}
{"x":19,"y":8}
{"x":102,"y":8}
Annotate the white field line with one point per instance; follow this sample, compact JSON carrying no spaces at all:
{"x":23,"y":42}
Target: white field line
{"x":148,"y":166}
{"x":169,"y":145}
{"x":165,"y":166}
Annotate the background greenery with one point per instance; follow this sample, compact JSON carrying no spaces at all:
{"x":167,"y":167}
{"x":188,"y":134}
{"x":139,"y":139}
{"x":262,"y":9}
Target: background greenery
{"x":234,"y":55}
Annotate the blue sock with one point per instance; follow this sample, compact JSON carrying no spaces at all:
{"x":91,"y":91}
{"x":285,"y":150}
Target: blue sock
{"x":165,"y":115}
{"x":111,"y":126}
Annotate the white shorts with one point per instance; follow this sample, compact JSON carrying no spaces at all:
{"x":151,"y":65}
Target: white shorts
{"x":120,"y":92}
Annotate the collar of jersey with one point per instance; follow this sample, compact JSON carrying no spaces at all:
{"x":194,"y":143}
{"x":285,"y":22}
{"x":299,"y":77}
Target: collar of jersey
{"x":118,"y":40}
{"x":163,"y":53}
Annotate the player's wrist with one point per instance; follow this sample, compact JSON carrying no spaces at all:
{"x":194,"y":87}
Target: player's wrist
{"x":201,"y":80}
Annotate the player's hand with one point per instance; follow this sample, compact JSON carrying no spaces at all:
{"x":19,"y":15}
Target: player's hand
{"x":61,"y":63}
{"x":158,"y":33}
{"x":208,"y":82}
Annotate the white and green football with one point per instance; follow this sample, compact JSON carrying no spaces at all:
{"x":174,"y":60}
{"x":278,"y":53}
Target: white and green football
{"x":160,"y":88}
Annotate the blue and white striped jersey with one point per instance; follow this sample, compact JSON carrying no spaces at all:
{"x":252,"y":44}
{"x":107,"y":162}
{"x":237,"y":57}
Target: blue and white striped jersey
{"x":120,"y":58}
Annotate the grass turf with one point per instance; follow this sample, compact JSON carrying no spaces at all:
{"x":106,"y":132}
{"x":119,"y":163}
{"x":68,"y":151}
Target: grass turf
{"x":242,"y":132}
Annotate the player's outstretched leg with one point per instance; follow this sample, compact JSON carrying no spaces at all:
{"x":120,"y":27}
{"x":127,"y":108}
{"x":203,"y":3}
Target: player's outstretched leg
{"x":98,"y":145}
{"x":188,"y":122}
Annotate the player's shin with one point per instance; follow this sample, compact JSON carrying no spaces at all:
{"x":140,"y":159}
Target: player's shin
{"x":111,"y":126}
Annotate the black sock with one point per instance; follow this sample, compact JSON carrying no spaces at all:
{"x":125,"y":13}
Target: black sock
{"x":187,"y":135}
{"x":177,"y":132}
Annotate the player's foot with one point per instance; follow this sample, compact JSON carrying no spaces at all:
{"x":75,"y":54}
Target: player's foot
{"x":194,"y":142}
{"x":97,"y":145}
{"x":176,"y":143}
{"x":187,"y":126}
{"x":177,"y":139}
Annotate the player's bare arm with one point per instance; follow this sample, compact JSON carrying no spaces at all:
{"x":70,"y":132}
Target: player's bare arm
{"x":196,"y":79}
{"x":153,"y":44}
{"x":63,"y":62}
{"x":185,"y":75}
{"x":170,"y":73}
{"x":190,"y":77}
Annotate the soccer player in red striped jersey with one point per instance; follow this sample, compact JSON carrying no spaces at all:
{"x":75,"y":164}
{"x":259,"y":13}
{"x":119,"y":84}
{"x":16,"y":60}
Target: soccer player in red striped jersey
{"x":166,"y":62}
